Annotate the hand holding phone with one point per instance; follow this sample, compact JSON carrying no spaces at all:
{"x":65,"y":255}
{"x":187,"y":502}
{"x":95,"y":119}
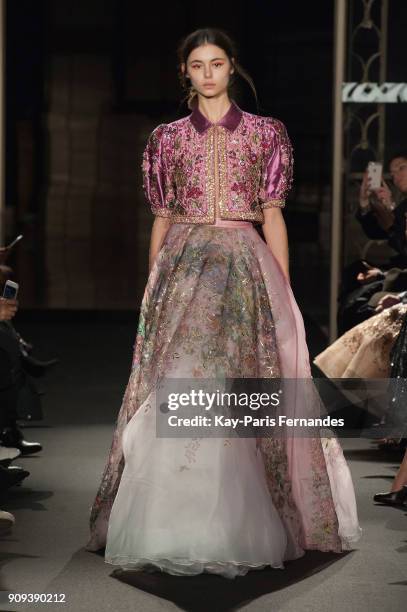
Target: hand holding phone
{"x":8,"y":301}
{"x":10,"y":290}
{"x":374,"y":175}
{"x":385,"y":196}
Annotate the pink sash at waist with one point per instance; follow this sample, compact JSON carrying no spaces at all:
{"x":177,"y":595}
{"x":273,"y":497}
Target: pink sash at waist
{"x":231,"y":223}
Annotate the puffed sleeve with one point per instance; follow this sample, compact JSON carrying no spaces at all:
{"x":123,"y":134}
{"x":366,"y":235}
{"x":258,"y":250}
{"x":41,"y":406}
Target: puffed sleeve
{"x":277,"y":169}
{"x":157,"y":174}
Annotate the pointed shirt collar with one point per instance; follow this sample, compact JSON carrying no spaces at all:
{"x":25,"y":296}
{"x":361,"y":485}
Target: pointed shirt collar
{"x":230,"y":120}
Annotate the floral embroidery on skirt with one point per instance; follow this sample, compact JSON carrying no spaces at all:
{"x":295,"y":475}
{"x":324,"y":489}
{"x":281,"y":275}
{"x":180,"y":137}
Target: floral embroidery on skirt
{"x":217,"y":305}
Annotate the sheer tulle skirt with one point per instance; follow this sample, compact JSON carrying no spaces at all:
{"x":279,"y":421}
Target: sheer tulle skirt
{"x":217,"y":304}
{"x":192,"y":507}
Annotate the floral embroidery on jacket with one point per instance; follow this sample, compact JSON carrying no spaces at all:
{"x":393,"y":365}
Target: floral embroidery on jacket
{"x":254,"y":159}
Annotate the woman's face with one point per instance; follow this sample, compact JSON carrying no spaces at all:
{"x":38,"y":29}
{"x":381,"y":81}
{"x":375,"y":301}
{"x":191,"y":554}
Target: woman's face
{"x":209,"y":69}
{"x":398,"y":171}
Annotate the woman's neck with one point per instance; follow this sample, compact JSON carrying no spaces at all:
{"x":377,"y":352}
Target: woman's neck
{"x":214,"y":108}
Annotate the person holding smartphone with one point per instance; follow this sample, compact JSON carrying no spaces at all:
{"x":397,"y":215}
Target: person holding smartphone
{"x":12,"y":375}
{"x":9,"y":375}
{"x":378,"y":214}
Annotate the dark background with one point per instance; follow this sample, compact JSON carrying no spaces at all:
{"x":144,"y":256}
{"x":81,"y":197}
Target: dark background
{"x":86,"y":84}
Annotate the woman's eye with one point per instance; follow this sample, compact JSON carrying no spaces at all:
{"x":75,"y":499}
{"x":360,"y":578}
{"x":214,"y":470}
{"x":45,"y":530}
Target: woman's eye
{"x":218,"y":64}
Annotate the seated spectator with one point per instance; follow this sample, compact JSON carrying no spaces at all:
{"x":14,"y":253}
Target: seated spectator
{"x":378,"y":214}
{"x":12,"y":379}
{"x":9,"y":475}
{"x":371,"y":285}
{"x":32,"y":366}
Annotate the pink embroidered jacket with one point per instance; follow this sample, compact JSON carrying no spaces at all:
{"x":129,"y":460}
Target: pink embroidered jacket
{"x":194,"y":170}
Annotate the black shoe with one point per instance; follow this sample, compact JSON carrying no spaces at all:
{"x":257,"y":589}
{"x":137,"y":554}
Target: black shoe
{"x":13,"y":437}
{"x":12,"y":475}
{"x":393,"y":498}
{"x":36,"y":368}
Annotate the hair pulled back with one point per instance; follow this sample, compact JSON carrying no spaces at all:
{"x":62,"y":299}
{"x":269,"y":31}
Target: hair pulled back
{"x":213,"y":36}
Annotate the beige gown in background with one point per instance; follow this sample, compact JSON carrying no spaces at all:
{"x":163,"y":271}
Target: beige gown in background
{"x":364,"y":350}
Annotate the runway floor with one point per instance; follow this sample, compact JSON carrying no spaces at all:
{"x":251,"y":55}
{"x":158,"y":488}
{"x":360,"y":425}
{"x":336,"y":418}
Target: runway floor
{"x":45,"y":551}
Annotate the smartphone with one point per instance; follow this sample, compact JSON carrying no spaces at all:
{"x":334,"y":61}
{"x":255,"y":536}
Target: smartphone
{"x":374,"y":175}
{"x":10,"y":290}
{"x":10,"y":246}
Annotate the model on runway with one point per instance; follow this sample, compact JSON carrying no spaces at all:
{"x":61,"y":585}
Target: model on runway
{"x":218,"y":303}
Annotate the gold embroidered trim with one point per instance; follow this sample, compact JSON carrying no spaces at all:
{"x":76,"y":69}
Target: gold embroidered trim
{"x":273,"y":203}
{"x":234,"y":215}
{"x":164,"y":212}
{"x":210,"y":178}
{"x":192,"y":219}
{"x":222,"y":165}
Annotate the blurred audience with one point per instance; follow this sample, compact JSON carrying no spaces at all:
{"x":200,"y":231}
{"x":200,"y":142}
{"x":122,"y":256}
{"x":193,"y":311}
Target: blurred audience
{"x":9,"y":374}
{"x":396,"y":417}
{"x":365,"y":287}
{"x":378,"y":213}
{"x":368,"y":290}
{"x":16,"y":367}
{"x":377,"y":348}
{"x":364,"y":350}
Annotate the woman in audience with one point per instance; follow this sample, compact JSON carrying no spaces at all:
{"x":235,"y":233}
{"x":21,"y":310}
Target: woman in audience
{"x":397,"y":417}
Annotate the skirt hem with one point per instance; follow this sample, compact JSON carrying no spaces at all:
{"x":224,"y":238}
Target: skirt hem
{"x":188,"y":567}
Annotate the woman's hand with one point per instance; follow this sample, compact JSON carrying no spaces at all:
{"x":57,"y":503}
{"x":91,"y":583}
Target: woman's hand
{"x":384,"y":195}
{"x":8,"y":309}
{"x":364,"y":192}
{"x":369,"y":275}
{"x":387,"y":301}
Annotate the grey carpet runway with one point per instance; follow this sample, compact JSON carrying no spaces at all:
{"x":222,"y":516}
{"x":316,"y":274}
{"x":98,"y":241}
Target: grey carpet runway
{"x":45,"y":554}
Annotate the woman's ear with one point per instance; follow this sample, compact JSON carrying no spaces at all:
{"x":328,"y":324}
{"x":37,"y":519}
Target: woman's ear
{"x":184,"y":70}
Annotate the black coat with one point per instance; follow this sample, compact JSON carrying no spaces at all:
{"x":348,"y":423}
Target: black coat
{"x":356,"y":306}
{"x":395,"y":235}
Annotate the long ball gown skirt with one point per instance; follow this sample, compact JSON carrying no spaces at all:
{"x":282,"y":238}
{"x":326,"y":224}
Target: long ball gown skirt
{"x":364,"y":350}
{"x":217,"y":304}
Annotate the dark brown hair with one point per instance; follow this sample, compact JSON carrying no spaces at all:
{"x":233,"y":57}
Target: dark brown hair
{"x":213,"y":36}
{"x":395,"y":154}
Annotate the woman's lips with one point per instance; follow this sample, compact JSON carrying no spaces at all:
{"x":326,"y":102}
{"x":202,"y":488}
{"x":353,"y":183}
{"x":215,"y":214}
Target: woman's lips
{"x":209,"y":85}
